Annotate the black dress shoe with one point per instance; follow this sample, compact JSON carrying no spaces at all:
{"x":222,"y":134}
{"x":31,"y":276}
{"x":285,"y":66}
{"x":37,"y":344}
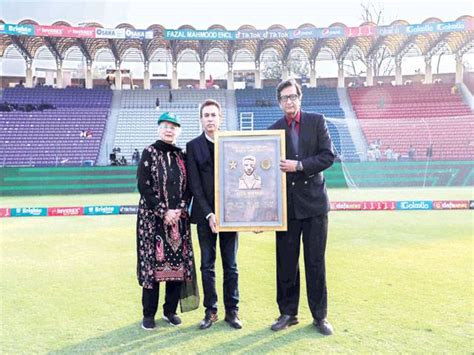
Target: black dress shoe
{"x":323,"y":326}
{"x":233,"y":319}
{"x":172,"y":319}
{"x":148,"y":323}
{"x":208,"y":320}
{"x":283,"y":322}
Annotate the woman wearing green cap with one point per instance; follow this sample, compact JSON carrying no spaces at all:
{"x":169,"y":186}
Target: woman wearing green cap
{"x":164,"y":247}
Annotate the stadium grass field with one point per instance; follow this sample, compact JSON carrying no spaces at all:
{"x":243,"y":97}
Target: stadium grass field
{"x":398,"y":282}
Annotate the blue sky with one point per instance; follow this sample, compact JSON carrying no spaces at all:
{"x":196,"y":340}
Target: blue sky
{"x":231,"y":14}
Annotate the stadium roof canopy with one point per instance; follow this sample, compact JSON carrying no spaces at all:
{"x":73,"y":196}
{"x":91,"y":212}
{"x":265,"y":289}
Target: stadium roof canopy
{"x":241,"y":50}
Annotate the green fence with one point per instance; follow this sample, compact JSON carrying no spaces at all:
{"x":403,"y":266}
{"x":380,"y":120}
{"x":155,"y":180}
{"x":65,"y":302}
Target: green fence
{"x":111,"y":179}
{"x":73,"y":180}
{"x":402,"y":174}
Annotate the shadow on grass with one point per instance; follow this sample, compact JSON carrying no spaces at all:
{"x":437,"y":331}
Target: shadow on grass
{"x":166,"y":338}
{"x":133,"y":338}
{"x":265,"y":340}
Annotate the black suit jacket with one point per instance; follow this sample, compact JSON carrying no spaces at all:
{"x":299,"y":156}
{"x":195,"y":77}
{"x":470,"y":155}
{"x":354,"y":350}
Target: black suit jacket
{"x":200,"y":169}
{"x":306,"y":190}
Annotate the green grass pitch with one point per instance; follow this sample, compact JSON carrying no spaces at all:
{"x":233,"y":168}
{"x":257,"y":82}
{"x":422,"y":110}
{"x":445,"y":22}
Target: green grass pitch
{"x":398,"y":281}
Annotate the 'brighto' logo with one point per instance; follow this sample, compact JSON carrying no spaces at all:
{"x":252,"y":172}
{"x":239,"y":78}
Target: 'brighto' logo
{"x":104,"y":209}
{"x":30,"y":210}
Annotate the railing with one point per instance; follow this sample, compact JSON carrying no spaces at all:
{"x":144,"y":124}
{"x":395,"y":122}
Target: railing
{"x":246,"y":121}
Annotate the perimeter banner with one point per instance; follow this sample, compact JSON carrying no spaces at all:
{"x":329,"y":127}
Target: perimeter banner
{"x":225,"y":35}
{"x":101,"y":210}
{"x":414,"y":205}
{"x":29,"y":212}
{"x":201,"y":35}
{"x":65,"y":31}
{"x":66,"y":211}
{"x":325,"y":32}
{"x":74,"y":32}
{"x":364,"y":205}
{"x":128,"y":209}
{"x":112,"y":33}
{"x":451,"y":205}
{"x":17,"y":30}
{"x":5,"y":212}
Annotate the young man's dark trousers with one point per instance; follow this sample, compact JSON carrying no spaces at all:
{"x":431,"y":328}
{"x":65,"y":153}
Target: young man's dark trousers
{"x":228,"y":243}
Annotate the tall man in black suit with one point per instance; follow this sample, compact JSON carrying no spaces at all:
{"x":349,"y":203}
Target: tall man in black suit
{"x":308,"y":153}
{"x":200,"y":168}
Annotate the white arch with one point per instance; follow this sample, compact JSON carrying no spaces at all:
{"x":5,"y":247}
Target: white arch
{"x":299,"y":60}
{"x":104,"y":55}
{"x":216,"y":55}
{"x":243,"y":55}
{"x":133,"y":55}
{"x":161,"y":55}
{"x":326,"y":53}
{"x":43,"y":53}
{"x":74,"y":54}
{"x":11,"y":52}
{"x":188,"y":55}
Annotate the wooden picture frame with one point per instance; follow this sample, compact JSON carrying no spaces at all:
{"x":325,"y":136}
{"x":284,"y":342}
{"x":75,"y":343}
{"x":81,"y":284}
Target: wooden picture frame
{"x":250,"y":187}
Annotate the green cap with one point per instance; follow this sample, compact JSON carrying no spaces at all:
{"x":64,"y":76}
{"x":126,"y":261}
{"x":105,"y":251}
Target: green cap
{"x":169,"y":117}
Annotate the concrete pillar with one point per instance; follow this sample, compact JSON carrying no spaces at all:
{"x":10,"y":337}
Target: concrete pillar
{"x":459,"y":69}
{"x":428,"y":72}
{"x":202,"y":76}
{"x":29,"y":73}
{"x":230,"y":77}
{"x":312,"y":74}
{"x":340,"y":73}
{"x":146,"y":76}
{"x":258,"y":79}
{"x":398,"y":71}
{"x":59,"y":74}
{"x":118,"y":76}
{"x":284,"y":72}
{"x":370,"y":72}
{"x":174,"y":78}
{"x":89,"y":84}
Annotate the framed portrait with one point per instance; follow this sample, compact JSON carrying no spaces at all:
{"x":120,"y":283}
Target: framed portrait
{"x":250,"y":188}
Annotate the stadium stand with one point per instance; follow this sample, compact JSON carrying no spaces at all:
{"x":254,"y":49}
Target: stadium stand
{"x":262,"y":103}
{"x":324,"y":100}
{"x":451,"y":137}
{"x":407,"y":101}
{"x":51,"y":127}
{"x":69,"y":97}
{"x":137,"y":127}
{"x":72,"y":127}
{"x":418,"y":116}
{"x":72,"y":131}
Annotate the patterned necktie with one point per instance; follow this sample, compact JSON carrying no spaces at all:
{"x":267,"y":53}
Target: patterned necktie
{"x":294,"y":136}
